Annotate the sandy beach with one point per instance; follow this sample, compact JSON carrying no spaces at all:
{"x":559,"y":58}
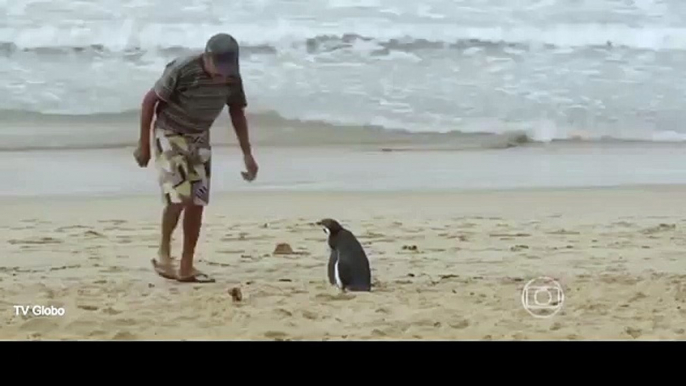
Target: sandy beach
{"x":446,"y":265}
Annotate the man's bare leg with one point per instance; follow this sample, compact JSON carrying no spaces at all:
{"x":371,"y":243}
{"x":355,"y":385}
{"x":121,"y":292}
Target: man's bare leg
{"x":170,"y":219}
{"x":192,"y":222}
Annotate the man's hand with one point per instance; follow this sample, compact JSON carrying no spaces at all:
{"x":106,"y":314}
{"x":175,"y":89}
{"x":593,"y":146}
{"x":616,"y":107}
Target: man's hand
{"x":251,"y":167}
{"x":142,"y":155}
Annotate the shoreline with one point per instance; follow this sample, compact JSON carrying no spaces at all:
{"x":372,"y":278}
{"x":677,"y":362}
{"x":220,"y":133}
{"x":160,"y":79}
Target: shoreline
{"x":389,"y":145}
{"x":328,"y":193}
{"x":84,"y":173}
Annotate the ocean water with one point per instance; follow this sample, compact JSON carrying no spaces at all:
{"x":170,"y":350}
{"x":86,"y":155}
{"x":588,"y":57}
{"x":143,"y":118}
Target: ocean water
{"x":72,"y":73}
{"x":524,"y":92}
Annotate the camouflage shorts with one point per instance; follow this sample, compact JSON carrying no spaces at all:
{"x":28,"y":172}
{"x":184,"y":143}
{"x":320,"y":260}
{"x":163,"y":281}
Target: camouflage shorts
{"x":183,"y":162}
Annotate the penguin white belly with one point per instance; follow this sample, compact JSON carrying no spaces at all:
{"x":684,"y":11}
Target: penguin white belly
{"x":339,"y":283}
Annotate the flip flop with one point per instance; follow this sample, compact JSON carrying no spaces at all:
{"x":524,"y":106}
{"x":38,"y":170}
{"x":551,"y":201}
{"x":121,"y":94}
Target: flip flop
{"x":197,"y":277}
{"x":165,"y":272}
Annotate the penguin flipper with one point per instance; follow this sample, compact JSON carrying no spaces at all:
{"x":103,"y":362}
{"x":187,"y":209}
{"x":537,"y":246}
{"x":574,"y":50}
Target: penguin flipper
{"x":331,"y":267}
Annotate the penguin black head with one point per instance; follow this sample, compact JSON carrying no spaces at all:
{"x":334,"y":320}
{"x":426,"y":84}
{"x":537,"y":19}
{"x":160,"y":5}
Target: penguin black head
{"x":331,"y":226}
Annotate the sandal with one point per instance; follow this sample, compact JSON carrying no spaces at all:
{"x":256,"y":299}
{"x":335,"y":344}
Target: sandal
{"x":196,"y":277}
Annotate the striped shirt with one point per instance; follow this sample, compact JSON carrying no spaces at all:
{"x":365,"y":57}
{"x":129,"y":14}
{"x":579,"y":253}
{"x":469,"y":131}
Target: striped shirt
{"x":191,"y":99}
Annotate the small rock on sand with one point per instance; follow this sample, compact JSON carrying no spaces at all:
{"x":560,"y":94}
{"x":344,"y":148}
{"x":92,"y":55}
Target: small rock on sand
{"x":283,"y":249}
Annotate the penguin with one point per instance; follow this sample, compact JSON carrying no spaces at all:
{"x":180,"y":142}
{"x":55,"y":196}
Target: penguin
{"x":348,"y":267}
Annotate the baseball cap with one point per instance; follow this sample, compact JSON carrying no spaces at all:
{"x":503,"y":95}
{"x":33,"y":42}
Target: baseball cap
{"x":224,"y":51}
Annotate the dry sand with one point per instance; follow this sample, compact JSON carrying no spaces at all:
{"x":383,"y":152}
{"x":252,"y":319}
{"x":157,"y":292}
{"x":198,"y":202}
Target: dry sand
{"x":617,"y":253}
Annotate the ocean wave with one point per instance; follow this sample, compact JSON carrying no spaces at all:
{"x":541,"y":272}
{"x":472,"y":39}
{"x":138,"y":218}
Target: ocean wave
{"x":179,"y":38}
{"x":23,"y":130}
{"x":317,"y":44}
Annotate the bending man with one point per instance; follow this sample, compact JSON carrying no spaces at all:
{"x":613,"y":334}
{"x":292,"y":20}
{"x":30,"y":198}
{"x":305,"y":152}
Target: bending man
{"x":186,"y":100}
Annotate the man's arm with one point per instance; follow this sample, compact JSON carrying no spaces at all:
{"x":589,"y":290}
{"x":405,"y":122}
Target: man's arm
{"x":150,"y":101}
{"x":161,"y":91}
{"x":237,"y":103}
{"x":240,"y":126}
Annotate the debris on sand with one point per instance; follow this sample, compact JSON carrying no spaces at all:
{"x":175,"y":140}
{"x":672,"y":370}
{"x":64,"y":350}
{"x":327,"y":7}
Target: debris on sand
{"x":236,"y":294}
{"x":283,"y":249}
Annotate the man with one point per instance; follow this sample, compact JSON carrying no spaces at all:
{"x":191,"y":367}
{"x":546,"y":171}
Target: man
{"x":186,"y":100}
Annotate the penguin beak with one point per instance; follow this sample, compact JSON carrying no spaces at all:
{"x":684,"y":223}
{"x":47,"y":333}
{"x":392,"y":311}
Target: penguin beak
{"x":324,"y":228}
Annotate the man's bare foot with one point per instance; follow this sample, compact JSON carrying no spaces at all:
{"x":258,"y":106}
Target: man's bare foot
{"x":164,"y":266}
